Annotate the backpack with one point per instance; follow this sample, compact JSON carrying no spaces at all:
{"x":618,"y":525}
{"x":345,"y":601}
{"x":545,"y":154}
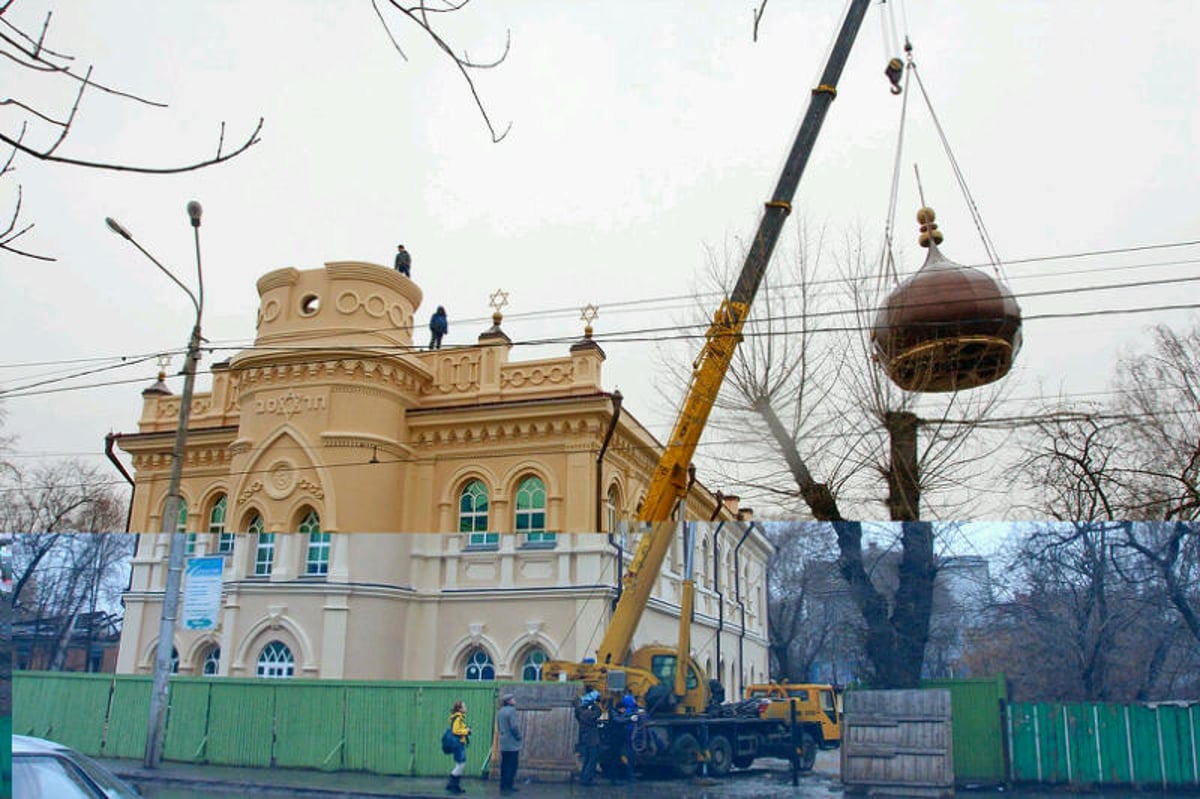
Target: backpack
{"x":449,"y":741}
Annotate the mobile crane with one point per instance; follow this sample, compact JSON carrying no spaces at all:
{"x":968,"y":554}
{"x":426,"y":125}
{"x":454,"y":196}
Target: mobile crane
{"x":689,"y":724}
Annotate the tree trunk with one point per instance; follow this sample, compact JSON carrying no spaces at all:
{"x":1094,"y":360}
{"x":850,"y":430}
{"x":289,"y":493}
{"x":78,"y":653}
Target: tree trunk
{"x":896,"y":640}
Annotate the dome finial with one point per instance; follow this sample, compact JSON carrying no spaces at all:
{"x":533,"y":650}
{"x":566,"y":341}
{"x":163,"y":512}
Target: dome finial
{"x":929,"y":228}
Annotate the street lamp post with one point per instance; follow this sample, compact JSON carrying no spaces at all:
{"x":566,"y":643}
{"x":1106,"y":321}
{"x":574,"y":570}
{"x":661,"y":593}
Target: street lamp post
{"x":156,"y":724}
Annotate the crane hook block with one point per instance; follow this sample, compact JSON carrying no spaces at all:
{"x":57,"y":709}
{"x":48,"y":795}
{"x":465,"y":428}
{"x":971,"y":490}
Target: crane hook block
{"x":895,"y":68}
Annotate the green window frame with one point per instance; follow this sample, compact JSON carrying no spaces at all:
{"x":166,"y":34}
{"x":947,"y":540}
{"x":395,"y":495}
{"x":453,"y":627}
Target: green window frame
{"x":531,"y":666}
{"x":473,"y":515}
{"x":317,"y":560}
{"x":181,"y":525}
{"x":264,"y":547}
{"x":216,"y":525}
{"x":530,"y":516}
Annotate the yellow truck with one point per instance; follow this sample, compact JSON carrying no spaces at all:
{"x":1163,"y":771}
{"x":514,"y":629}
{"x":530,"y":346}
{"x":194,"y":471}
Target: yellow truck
{"x":816,"y":708}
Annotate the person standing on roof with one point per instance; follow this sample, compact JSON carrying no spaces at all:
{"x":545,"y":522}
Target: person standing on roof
{"x":438,"y":327}
{"x":403,"y":261}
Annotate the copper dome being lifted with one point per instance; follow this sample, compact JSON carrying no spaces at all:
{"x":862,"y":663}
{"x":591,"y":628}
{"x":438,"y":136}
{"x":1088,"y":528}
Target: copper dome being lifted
{"x":949,"y":327}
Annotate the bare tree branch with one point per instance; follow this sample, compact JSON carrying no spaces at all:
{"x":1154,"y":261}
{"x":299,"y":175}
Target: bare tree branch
{"x":32,"y":54}
{"x":758,"y":15}
{"x":419,"y":14}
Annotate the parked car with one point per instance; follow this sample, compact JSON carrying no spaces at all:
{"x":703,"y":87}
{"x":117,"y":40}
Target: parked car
{"x":42,"y":768}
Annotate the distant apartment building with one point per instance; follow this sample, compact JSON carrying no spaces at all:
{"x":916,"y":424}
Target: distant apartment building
{"x":384,"y":511}
{"x":962,"y":595}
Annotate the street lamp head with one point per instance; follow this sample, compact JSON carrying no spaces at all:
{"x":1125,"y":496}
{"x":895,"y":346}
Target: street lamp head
{"x":116,"y":227}
{"x":194,"y":210}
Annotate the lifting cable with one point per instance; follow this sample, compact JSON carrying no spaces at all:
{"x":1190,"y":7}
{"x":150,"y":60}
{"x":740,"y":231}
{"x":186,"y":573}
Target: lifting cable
{"x":909,"y":69}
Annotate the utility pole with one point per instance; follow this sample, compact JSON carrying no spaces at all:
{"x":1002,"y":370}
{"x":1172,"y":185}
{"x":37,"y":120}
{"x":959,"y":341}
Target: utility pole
{"x":157,"y":721}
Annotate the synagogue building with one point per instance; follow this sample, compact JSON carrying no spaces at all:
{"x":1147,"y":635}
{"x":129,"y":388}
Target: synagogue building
{"x":384,"y":511}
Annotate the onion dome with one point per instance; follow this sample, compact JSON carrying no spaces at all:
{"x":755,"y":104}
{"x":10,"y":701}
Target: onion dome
{"x":949,"y":327}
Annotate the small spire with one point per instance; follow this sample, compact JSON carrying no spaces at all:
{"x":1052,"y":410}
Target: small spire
{"x":498,"y":299}
{"x":588,"y":314}
{"x":160,"y":386}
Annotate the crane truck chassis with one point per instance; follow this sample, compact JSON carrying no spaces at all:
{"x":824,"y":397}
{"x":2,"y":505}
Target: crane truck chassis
{"x":728,"y":737}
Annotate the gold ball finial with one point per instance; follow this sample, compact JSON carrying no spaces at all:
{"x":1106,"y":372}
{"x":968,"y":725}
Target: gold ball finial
{"x":929,"y":230}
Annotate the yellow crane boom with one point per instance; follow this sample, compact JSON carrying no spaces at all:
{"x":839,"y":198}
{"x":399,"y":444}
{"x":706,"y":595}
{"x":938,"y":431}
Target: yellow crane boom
{"x":669,"y":481}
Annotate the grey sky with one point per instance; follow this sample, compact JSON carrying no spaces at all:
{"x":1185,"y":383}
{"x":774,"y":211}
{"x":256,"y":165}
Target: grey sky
{"x":641,"y":133}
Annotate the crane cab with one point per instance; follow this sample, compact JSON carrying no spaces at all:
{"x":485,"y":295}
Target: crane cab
{"x":662,"y":662}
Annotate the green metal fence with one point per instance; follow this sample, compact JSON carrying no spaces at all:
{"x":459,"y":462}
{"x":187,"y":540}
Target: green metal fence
{"x":977,"y":709}
{"x":1092,"y":744}
{"x":332,"y":725}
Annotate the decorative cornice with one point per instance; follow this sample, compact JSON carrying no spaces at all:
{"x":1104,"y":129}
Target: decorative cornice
{"x":398,"y":373}
{"x":449,"y":433}
{"x":337,"y":440}
{"x":194,"y":458}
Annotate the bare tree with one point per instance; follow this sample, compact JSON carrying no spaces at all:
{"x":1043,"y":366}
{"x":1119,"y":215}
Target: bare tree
{"x":42,"y":131}
{"x":1168,"y":554}
{"x":64,"y":578}
{"x":64,"y":496}
{"x":805,"y":615}
{"x":1136,"y":459}
{"x":803,"y":383}
{"x":1159,"y":400}
{"x":1075,"y":629}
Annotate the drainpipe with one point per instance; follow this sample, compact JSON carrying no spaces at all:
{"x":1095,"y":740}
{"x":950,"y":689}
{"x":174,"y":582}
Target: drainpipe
{"x":612,"y":541}
{"x":737,"y":593}
{"x":716,"y":573}
{"x":109,"y":441}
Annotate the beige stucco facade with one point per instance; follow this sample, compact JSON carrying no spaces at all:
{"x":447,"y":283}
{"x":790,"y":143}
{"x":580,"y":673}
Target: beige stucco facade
{"x":359,"y":456}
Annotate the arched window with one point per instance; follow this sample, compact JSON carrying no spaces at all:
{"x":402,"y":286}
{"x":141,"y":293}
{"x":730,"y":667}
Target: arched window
{"x":181,"y":524}
{"x":531,"y":667}
{"x":317,"y":560}
{"x":275,"y":661}
{"x":264,"y":547}
{"x":174,"y":660}
{"x":216,"y":525}
{"x":212,"y":662}
{"x":473,"y":515}
{"x":530,"y":519}
{"x":479,"y":666}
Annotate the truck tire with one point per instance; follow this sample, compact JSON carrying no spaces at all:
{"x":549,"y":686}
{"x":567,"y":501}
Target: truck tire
{"x":743,"y":761}
{"x":807,"y":756}
{"x":720,"y":756}
{"x":685,"y":755}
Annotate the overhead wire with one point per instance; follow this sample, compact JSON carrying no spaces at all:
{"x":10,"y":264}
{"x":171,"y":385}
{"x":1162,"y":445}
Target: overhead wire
{"x":643,"y":335}
{"x":679,"y":300}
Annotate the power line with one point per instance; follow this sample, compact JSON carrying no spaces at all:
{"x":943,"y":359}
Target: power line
{"x":643,"y":335}
{"x":679,"y":300}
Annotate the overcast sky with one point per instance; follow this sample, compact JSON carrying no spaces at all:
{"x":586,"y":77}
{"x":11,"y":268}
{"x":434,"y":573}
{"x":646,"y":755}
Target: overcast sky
{"x":642,"y":135}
